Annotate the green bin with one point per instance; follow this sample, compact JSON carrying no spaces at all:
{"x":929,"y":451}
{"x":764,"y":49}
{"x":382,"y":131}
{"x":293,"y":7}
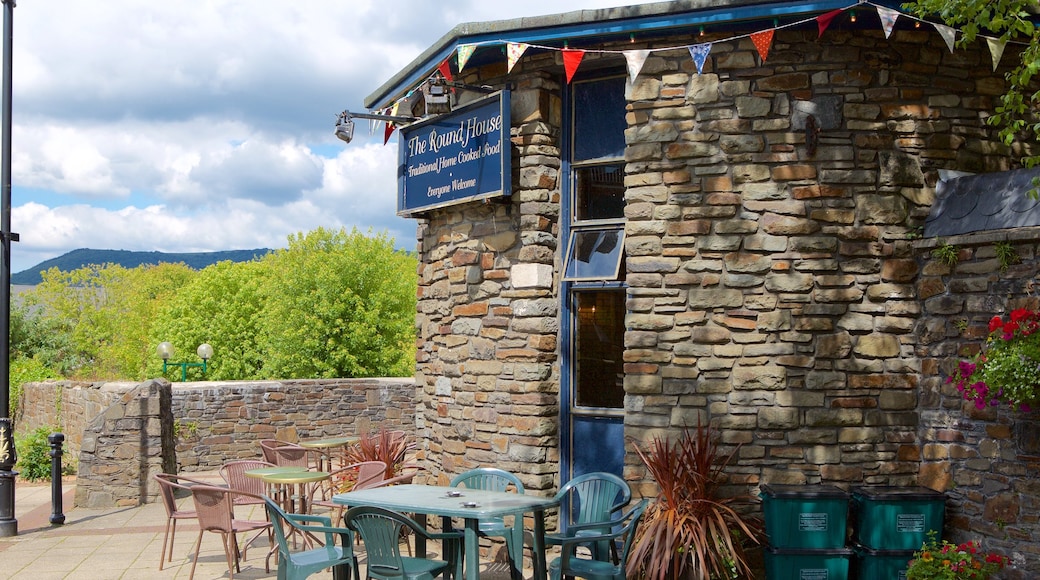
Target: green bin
{"x":896,"y":518}
{"x":805,"y":516}
{"x":795,"y":564}
{"x":881,"y":564}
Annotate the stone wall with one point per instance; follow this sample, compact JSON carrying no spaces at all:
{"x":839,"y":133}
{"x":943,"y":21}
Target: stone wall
{"x":987,"y":461}
{"x":216,"y":422}
{"x":131,"y":440}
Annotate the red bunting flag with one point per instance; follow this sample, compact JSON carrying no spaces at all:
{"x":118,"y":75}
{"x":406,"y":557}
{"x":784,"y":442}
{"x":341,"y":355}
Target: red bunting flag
{"x":824,"y":20}
{"x":571,"y":59}
{"x":763,"y":41}
{"x":445,"y":69}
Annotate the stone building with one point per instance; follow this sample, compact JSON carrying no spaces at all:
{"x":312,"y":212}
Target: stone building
{"x":708,"y":213}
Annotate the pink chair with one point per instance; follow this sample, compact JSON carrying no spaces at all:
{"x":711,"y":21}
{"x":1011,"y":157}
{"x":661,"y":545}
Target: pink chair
{"x":368,"y":474}
{"x":215,"y":508}
{"x":267,"y":446}
{"x":169,"y":484}
{"x":234,"y":474}
{"x":293,"y":455}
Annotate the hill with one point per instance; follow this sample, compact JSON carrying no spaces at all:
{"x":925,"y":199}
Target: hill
{"x":84,"y":257}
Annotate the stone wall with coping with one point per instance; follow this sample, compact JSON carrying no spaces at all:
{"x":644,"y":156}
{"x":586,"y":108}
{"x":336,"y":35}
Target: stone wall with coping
{"x":988,"y":460}
{"x":219,"y":421}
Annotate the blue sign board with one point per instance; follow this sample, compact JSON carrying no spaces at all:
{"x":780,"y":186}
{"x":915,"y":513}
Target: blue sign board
{"x":456,"y":157}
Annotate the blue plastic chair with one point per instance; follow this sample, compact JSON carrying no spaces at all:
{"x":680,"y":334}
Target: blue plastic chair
{"x":570,"y":565}
{"x":587,"y":505}
{"x":300,"y":565}
{"x":380,"y":531}
{"x":493,"y":479}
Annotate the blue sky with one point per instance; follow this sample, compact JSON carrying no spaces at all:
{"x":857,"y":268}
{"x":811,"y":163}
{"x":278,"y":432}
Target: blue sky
{"x":204,"y":126}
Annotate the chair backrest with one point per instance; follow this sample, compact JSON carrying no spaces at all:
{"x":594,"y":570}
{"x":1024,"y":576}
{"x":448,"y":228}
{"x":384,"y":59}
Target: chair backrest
{"x":169,"y":484}
{"x":488,"y":478}
{"x":234,"y":474}
{"x":278,"y":519}
{"x":213,"y":507}
{"x":267,"y":447}
{"x":293,"y":455}
{"x":592,"y":497}
{"x":380,"y":531}
{"x":628,"y":531}
{"x":369,"y":473}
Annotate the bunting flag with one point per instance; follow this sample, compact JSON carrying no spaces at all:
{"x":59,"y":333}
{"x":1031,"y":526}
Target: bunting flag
{"x":635,"y":60}
{"x":763,"y":41}
{"x":465,"y":51}
{"x":823,"y":21}
{"x":445,"y":69}
{"x":514,"y":50}
{"x":571,"y":60}
{"x":996,"y":50}
{"x":888,"y":19}
{"x":948,"y":34}
{"x":699,"y":52}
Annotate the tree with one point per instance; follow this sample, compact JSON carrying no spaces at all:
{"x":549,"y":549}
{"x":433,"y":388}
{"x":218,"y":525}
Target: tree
{"x":340,"y":305}
{"x":1012,"y":22}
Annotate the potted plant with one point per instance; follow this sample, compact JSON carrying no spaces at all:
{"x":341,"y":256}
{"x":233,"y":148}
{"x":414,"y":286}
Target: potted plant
{"x":1008,"y":368}
{"x":946,"y":561}
{"x":693,"y":529}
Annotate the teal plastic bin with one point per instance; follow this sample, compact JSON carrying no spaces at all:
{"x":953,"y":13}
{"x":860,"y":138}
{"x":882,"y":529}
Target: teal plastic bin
{"x":881,"y":564}
{"x":896,"y":518}
{"x":794,"y":564}
{"x":805,"y":516}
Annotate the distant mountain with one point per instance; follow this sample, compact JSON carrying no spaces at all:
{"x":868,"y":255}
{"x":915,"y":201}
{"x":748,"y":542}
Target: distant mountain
{"x":77,"y":259}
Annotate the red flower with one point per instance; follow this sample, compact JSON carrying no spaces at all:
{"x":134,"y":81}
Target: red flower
{"x":995,"y":323}
{"x":1019,"y":314}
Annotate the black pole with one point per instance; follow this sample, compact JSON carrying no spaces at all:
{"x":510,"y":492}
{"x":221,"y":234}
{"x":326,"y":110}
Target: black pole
{"x":8,"y":457}
{"x":55,"y":439}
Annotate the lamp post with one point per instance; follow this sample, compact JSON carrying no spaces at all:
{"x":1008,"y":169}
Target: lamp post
{"x":165,"y":352}
{"x":8,"y":457}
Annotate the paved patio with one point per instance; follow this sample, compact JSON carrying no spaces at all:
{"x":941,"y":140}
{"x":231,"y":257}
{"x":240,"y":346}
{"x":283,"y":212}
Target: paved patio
{"x":124,"y":543}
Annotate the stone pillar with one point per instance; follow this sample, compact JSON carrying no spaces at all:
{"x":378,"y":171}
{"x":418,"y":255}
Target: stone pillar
{"x":124,"y":446}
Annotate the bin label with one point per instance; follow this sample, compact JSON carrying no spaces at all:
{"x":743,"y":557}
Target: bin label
{"x":814,"y":574}
{"x":812,"y":522}
{"x":912,"y":523}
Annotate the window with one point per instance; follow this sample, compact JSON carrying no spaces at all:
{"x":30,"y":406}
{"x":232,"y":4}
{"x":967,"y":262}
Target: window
{"x":599,"y":331}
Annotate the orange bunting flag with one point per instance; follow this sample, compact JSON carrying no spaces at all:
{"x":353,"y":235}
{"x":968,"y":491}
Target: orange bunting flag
{"x":823,"y":21}
{"x":571,"y":60}
{"x":763,"y":41}
{"x":445,"y":69}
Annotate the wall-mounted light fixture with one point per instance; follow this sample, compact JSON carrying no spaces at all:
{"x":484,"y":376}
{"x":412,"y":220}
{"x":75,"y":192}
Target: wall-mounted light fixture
{"x":165,"y":352}
{"x":345,"y":123}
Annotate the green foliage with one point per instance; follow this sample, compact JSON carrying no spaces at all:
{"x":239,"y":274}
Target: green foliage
{"x":34,"y":454}
{"x":1006,"y":255}
{"x":1010,"y":20}
{"x":947,"y":254}
{"x":27,"y":370}
{"x":339,"y":304}
{"x":185,"y":429}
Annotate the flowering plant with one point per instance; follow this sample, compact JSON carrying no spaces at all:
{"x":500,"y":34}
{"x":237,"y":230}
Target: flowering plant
{"x":946,"y":561}
{"x":1008,"y":369}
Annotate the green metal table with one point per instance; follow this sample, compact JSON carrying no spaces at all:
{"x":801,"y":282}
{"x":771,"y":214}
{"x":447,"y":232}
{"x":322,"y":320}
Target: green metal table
{"x":472,"y":506}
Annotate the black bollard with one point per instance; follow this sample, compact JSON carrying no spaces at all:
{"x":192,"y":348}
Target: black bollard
{"x":56,"y":439}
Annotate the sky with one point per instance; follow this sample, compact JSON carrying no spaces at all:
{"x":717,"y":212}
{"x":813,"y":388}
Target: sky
{"x":208,"y":125}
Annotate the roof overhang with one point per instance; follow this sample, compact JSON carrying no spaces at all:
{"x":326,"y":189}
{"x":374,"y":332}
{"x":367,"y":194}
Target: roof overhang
{"x":584,"y":28}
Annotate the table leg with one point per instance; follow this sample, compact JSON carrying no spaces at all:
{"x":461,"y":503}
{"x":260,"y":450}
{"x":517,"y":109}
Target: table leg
{"x":538,"y":545}
{"x":471,"y":569}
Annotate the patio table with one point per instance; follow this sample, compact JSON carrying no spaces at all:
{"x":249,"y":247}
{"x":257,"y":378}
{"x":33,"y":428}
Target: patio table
{"x":472,"y":506}
{"x":324,"y":447}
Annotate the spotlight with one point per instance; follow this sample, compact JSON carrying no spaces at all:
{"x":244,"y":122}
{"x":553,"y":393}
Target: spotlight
{"x":345,"y":127}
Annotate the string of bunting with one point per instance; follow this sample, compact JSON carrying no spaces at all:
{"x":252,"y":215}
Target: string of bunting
{"x":635,"y":58}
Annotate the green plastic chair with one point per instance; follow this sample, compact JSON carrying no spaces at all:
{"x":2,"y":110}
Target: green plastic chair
{"x":380,"y":531}
{"x":570,"y":565}
{"x":587,"y":505}
{"x":493,"y":479}
{"x":300,"y":565}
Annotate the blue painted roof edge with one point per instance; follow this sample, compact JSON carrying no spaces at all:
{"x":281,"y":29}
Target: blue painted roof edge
{"x":554,"y":29}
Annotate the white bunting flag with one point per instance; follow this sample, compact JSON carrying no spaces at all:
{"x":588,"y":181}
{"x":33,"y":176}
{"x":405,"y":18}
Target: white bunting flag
{"x":888,"y":19}
{"x":948,"y":34}
{"x":514,"y":50}
{"x":996,"y":49}
{"x":635,"y":59}
{"x":699,"y":52}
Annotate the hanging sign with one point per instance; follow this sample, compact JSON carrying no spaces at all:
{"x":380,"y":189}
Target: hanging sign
{"x":457,"y":157}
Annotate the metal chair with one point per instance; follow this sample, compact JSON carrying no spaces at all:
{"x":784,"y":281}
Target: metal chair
{"x":292,"y":455}
{"x":366,"y":474}
{"x":169,"y":484}
{"x":568,"y":564}
{"x":380,"y":530}
{"x":493,"y":479}
{"x":588,"y":500}
{"x":215,"y":508}
{"x":234,"y":475}
{"x":300,"y":565}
